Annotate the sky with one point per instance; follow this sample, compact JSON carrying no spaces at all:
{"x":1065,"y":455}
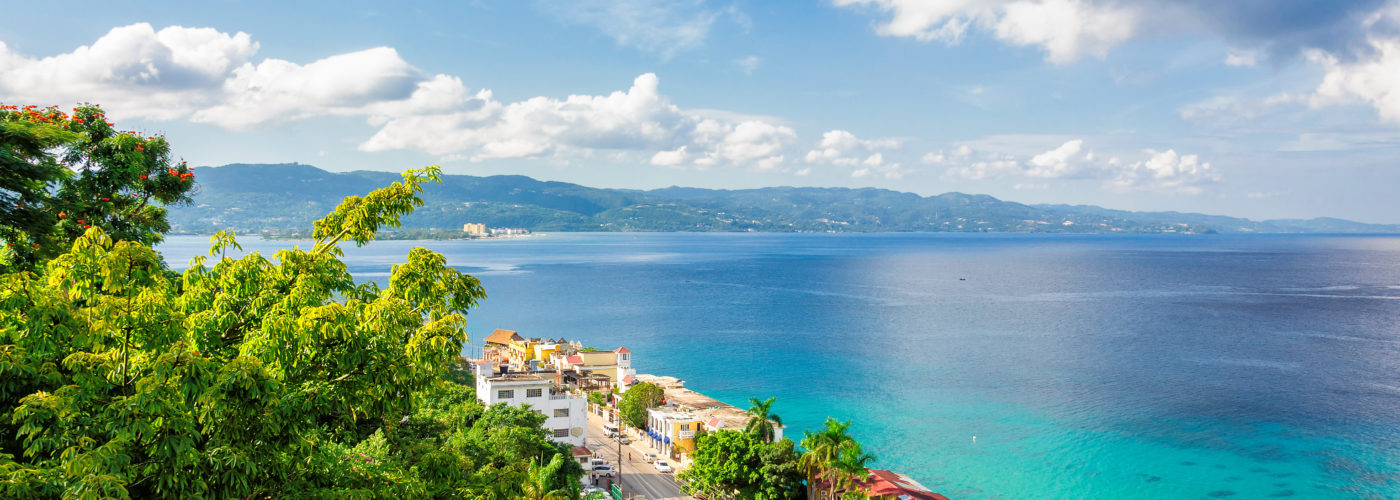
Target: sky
{"x":1253,"y":108}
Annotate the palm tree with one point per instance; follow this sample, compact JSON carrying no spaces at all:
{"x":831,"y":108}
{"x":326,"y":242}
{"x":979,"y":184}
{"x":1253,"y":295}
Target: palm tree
{"x":850,"y":468}
{"x":760,"y":421}
{"x":823,"y":448}
{"x":539,"y":481}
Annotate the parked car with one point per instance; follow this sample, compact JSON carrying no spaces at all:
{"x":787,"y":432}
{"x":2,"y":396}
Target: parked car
{"x":662,"y":466}
{"x":603,"y":471}
{"x":624,"y":440}
{"x":650,"y":457}
{"x":594,"y":464}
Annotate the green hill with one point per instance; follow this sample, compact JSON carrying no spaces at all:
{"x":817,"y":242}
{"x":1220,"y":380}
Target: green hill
{"x":284,"y":198}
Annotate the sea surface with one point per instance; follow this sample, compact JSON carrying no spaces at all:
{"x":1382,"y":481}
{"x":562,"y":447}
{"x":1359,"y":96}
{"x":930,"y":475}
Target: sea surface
{"x":996,"y":366}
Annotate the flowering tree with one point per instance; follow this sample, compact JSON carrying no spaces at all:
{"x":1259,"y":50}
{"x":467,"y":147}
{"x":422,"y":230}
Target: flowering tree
{"x":62,"y":174}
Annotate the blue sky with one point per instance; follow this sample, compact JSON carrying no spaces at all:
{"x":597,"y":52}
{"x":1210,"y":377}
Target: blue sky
{"x":1255,"y":108}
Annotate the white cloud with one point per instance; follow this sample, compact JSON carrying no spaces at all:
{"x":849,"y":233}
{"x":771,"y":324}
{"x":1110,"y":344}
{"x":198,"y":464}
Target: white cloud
{"x":1374,"y":80}
{"x":1062,"y":162}
{"x":134,"y":71}
{"x":1064,"y":29}
{"x":1241,"y":58}
{"x":202,"y":75}
{"x":656,"y":26}
{"x":842,"y":148}
{"x":748,"y":64}
{"x":639,"y":119}
{"x":1067,"y":29}
{"x":1167,"y":171}
{"x":1161,"y":171}
{"x":343,"y":84}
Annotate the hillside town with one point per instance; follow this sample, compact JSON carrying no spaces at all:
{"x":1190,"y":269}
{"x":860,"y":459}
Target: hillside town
{"x":555,"y":377}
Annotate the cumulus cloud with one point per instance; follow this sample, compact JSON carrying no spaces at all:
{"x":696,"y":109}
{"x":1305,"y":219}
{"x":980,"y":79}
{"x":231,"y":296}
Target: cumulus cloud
{"x":1064,"y":29}
{"x":206,"y":76}
{"x":1069,"y":29}
{"x":842,"y":148}
{"x":1165,"y":171}
{"x":1374,"y":79}
{"x":656,"y":26}
{"x":133,"y":70}
{"x":638,"y":119}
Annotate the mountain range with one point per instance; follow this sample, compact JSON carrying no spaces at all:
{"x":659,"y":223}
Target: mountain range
{"x":285,"y":198}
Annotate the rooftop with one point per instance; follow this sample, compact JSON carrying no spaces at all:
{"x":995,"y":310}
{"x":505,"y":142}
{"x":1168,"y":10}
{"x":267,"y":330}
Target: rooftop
{"x":503,"y":337}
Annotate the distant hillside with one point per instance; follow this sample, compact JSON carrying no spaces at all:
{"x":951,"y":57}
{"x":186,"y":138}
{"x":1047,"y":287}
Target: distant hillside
{"x":287,"y":197}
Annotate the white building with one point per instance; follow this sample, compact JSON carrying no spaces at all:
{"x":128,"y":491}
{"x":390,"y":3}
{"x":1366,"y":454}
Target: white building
{"x":566,"y":418}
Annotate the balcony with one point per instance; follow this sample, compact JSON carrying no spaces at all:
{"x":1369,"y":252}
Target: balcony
{"x":685,"y":434}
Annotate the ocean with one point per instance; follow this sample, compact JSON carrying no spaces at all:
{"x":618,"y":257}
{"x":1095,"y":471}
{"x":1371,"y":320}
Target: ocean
{"x":995,"y":366}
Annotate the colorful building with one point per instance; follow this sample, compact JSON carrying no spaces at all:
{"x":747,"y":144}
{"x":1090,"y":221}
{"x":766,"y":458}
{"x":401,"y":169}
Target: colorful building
{"x":672,"y":432}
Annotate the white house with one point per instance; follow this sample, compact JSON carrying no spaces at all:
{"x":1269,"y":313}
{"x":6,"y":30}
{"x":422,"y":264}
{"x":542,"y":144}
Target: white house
{"x":567,"y":420}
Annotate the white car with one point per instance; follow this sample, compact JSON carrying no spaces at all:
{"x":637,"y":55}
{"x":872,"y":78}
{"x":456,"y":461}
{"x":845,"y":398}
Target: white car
{"x":650,"y":457}
{"x":662,"y":466}
{"x":603,"y":471}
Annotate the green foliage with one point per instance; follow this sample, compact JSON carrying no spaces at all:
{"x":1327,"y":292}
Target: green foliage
{"x":744,"y":465}
{"x":761,"y":419}
{"x":62,"y":174}
{"x":286,"y":198}
{"x":637,"y":400}
{"x":255,"y":377}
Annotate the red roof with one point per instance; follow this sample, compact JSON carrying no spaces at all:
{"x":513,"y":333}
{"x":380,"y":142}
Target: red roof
{"x":484,"y":361}
{"x":628,"y":379}
{"x":883,"y":483}
{"x":713,"y":423}
{"x":580,"y":451}
{"x":622,"y":350}
{"x":574,"y":360}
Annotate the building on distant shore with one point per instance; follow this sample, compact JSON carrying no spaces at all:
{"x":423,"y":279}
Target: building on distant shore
{"x":508,"y":231}
{"x":475,"y":229}
{"x":566,"y":419}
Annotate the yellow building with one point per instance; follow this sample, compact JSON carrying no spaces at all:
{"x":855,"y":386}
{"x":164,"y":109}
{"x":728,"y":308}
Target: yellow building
{"x":474,"y":228}
{"x":672,"y":432}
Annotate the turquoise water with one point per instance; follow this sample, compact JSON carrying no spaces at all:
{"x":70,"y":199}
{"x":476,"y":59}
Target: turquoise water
{"x":1085,"y":366}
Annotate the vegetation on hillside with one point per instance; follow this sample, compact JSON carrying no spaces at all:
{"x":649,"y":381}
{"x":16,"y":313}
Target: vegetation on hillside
{"x":283,"y":198}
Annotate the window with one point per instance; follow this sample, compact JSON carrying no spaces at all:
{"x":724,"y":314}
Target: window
{"x":505,"y":394}
{"x":561,"y":412}
{"x":561,"y":433}
{"x":533,"y":393}
{"x":685,"y":427}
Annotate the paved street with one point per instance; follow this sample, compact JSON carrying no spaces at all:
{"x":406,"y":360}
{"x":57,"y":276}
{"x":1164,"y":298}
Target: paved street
{"x":639,"y":478}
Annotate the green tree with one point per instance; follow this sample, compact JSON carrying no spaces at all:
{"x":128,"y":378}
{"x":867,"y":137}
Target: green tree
{"x":823,"y":448}
{"x":65,"y":174}
{"x":252,"y":377}
{"x":744,"y":465}
{"x":761,"y":420}
{"x":849,"y":468}
{"x":637,"y":400}
{"x":541,"y":481}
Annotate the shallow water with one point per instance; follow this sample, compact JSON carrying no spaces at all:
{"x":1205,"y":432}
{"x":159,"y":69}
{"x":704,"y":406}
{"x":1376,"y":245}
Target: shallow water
{"x":1086,"y":366}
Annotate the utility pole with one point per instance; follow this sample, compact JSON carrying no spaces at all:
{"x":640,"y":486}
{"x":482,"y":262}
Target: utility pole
{"x":618,"y":416}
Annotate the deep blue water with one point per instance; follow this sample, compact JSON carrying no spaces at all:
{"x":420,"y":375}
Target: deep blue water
{"x":1094,"y":366}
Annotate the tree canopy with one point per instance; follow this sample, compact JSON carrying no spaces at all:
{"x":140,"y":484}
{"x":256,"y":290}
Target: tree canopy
{"x":745,"y":465}
{"x":62,"y":174}
{"x":253,"y":377}
{"x":637,"y":400}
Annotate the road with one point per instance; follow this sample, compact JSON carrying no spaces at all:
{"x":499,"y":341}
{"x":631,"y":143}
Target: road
{"x":639,"y":478}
